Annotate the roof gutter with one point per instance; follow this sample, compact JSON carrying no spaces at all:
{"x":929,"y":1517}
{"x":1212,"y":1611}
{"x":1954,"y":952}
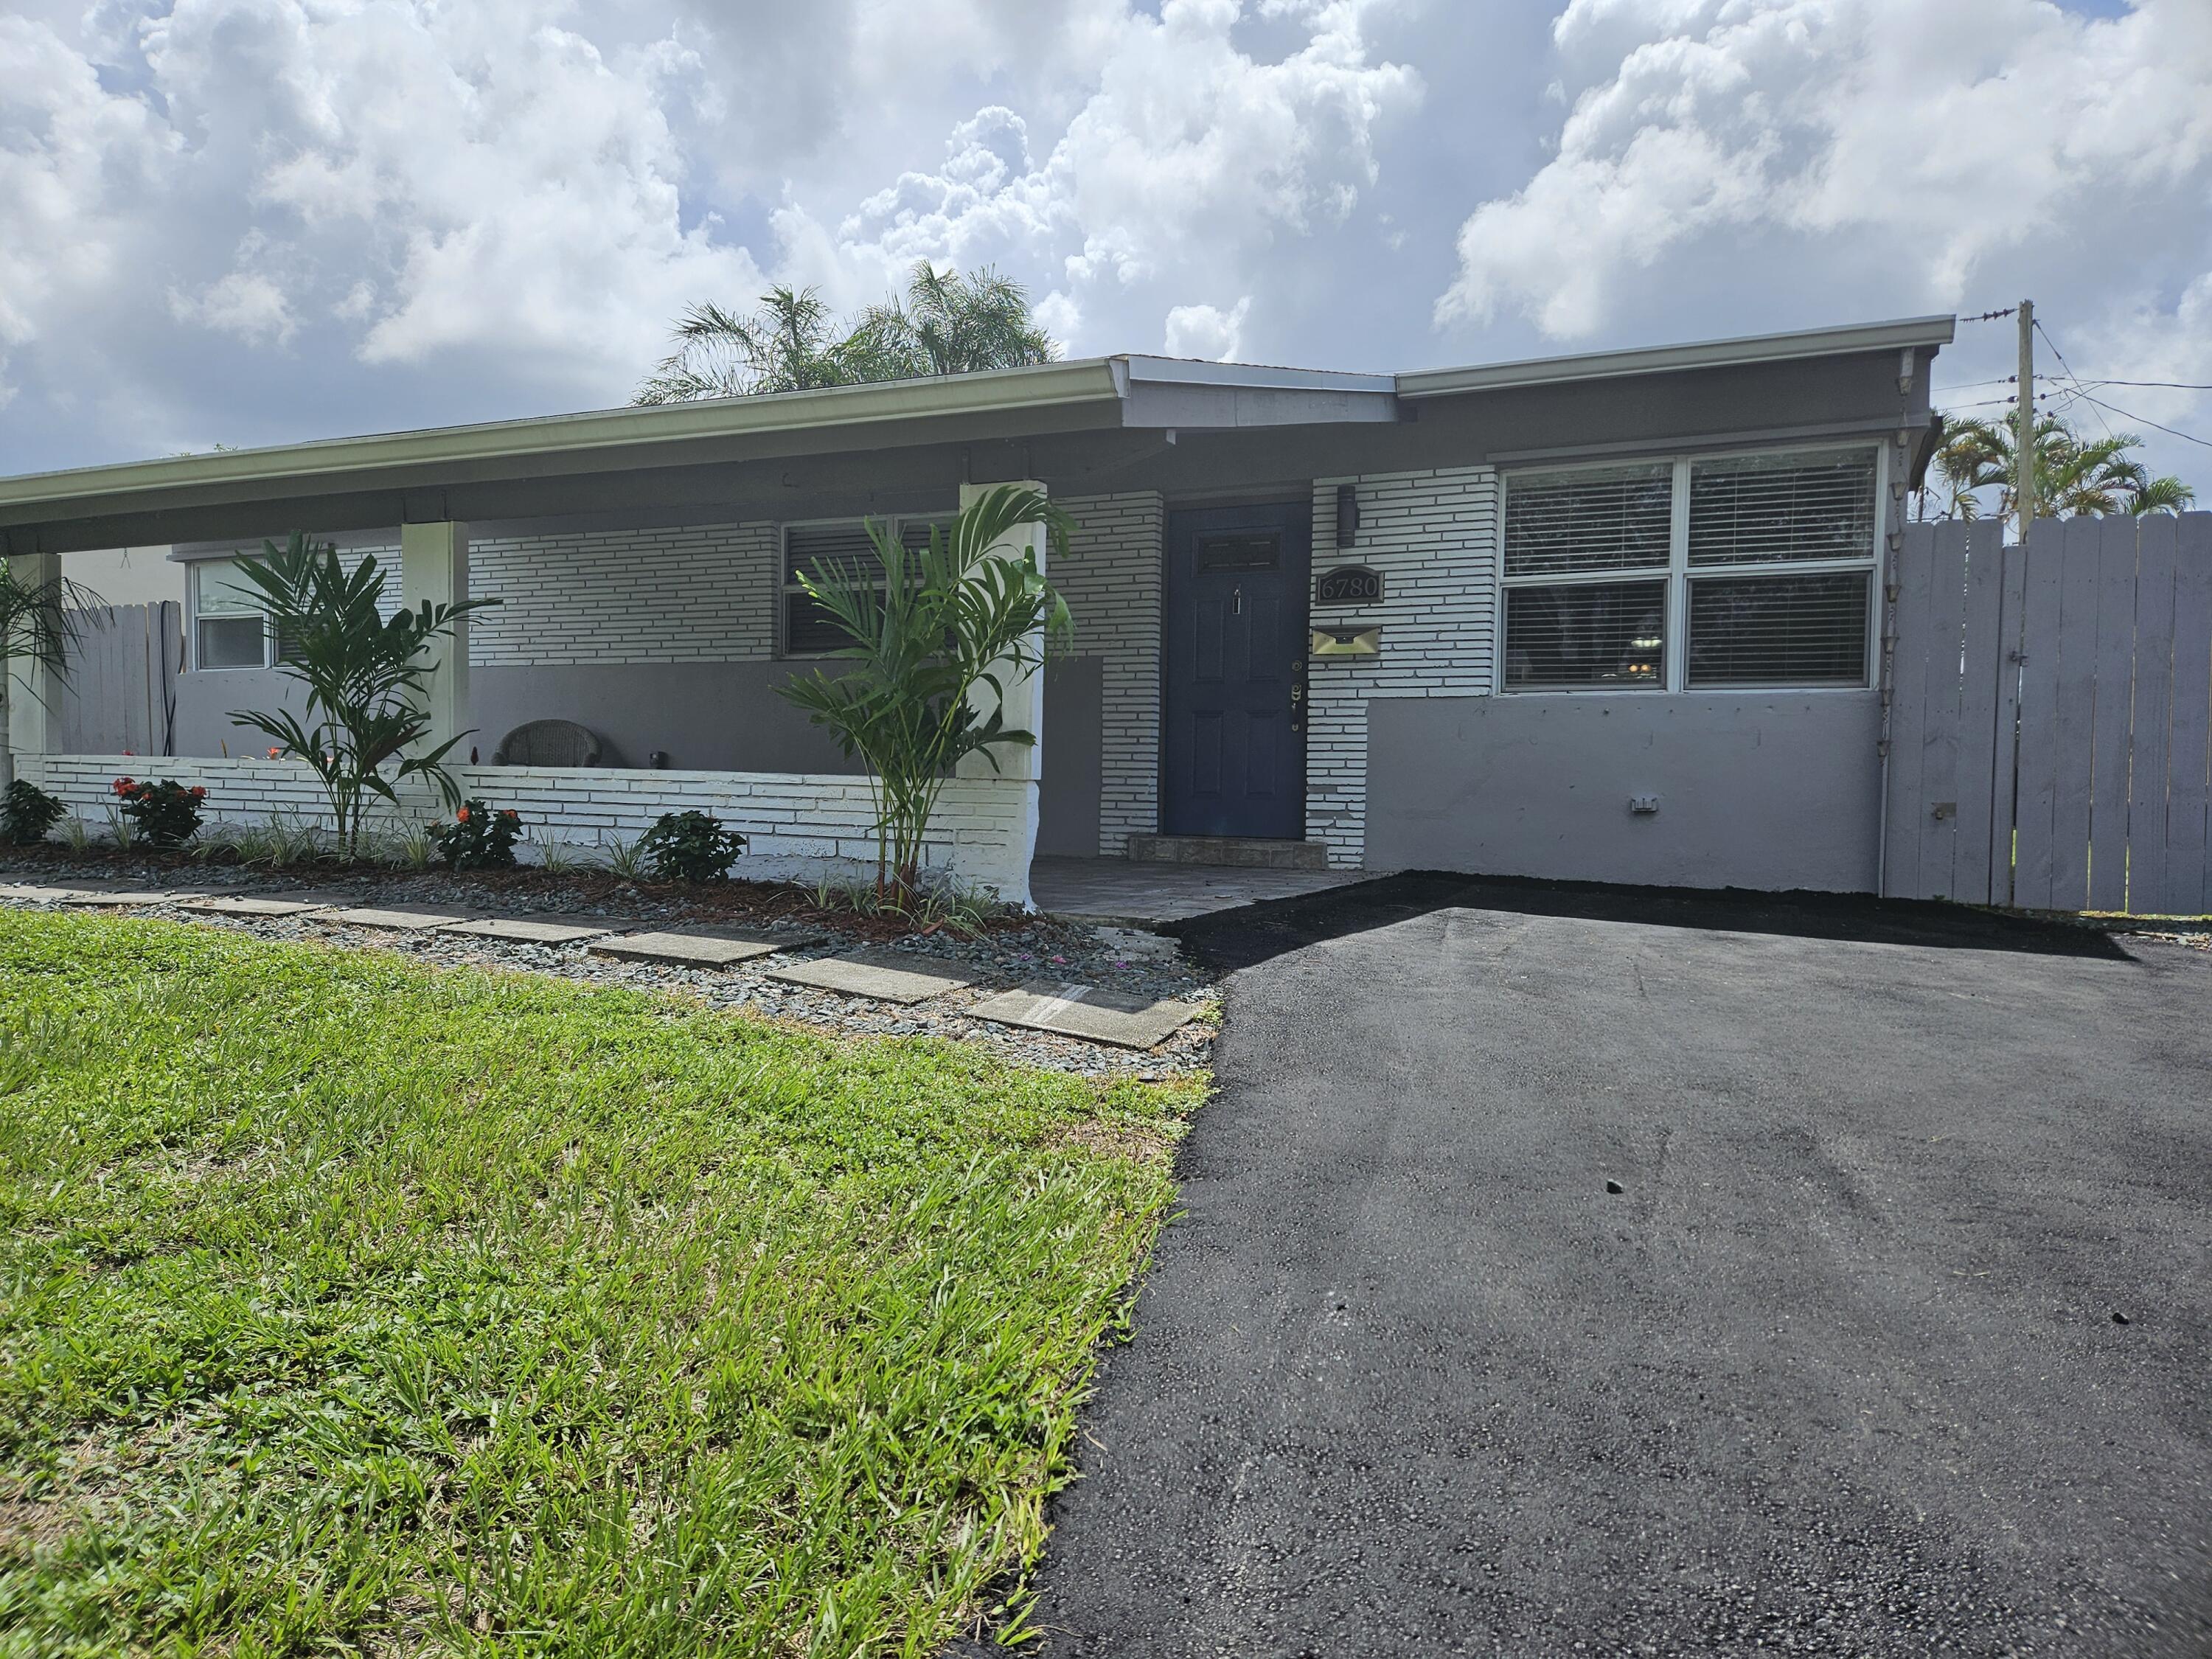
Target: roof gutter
{"x":1905,"y":334}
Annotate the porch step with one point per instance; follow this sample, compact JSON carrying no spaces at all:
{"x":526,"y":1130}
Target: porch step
{"x":1244,"y":853}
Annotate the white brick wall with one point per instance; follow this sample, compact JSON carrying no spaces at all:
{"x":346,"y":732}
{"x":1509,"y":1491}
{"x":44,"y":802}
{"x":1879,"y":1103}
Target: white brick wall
{"x":1112,"y":581}
{"x":687,"y":594}
{"x":800,"y":824}
{"x":1434,"y":537}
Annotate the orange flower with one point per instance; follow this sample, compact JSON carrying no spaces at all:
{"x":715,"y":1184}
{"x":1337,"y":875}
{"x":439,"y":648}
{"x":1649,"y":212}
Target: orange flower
{"x":461,"y":817}
{"x":276,"y":754}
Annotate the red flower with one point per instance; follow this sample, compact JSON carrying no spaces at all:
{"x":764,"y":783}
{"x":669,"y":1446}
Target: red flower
{"x":461,"y":817}
{"x":509,"y":816}
{"x":123,"y":786}
{"x":276,"y":754}
{"x":199,"y":792}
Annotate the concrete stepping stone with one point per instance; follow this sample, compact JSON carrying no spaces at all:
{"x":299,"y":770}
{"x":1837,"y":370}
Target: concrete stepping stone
{"x":1087,"y":1011}
{"x":702,"y":947}
{"x":525,"y":930}
{"x":396,"y":917}
{"x":118,"y":896}
{"x":265,"y":905}
{"x":886,"y":976}
{"x":39,"y":892}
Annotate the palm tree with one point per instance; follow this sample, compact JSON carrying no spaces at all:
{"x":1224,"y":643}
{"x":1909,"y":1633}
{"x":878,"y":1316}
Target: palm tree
{"x":2073,"y":475}
{"x":955,"y":324}
{"x":948,"y":324}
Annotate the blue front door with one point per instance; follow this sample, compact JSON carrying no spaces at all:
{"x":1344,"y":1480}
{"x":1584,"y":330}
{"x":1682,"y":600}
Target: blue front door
{"x":1233,"y":761}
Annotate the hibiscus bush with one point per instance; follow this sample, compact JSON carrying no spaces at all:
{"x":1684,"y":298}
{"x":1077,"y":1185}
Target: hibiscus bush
{"x":27,"y":812}
{"x":478,"y":838}
{"x":690,"y":847}
{"x":167,"y":814}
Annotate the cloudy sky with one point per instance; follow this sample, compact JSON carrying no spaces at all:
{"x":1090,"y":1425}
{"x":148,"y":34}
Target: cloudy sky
{"x":249,"y":221}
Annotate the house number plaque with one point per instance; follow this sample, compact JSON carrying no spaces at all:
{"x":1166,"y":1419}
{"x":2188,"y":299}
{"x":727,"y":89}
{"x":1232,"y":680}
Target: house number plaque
{"x":1349,"y":584}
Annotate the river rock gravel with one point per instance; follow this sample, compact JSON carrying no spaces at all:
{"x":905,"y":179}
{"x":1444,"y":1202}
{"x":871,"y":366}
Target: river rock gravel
{"x":1008,"y":953}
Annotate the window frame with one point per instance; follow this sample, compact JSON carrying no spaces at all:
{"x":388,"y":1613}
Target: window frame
{"x":240,"y":611}
{"x":1679,"y":572}
{"x":786,"y":588}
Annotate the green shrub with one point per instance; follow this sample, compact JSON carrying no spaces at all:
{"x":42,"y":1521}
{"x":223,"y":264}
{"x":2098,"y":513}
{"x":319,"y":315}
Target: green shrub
{"x":690,"y":847}
{"x":166,"y":813}
{"x":27,"y":812}
{"x":478,"y":838}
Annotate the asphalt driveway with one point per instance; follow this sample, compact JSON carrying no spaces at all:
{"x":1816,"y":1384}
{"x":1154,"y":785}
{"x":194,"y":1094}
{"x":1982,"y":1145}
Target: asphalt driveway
{"x":1895,"y":1337}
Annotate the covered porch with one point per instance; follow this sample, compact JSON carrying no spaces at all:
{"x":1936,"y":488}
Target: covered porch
{"x":644,"y":562}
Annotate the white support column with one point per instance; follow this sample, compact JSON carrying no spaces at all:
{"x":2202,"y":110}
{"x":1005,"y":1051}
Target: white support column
{"x":1022,"y":705}
{"x":433,"y":565}
{"x":27,"y":717}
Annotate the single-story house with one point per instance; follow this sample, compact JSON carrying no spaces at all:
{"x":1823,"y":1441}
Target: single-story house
{"x":1616,"y":615}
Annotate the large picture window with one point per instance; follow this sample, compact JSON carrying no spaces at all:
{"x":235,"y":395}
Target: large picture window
{"x":1735,"y":571}
{"x":840,"y":544}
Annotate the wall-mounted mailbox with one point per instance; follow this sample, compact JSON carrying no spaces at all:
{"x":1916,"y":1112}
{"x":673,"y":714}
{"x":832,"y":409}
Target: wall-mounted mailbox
{"x":1348,"y":584}
{"x":1347,"y":641}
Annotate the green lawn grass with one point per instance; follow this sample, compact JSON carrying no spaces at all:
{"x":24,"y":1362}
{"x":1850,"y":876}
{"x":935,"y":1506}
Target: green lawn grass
{"x":348,"y":1305}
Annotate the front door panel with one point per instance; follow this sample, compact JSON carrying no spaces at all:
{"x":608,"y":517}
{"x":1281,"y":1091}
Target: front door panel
{"x":1234,"y":759}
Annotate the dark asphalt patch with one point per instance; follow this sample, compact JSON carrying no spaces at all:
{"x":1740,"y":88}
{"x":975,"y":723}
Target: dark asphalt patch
{"x":1895,"y":1339}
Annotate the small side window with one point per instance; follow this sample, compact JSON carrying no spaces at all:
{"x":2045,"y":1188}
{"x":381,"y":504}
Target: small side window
{"x":232,"y":642}
{"x":228,"y":628}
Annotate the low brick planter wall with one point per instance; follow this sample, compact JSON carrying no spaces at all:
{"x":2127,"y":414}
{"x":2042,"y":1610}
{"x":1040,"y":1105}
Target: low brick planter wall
{"x":801,"y":825}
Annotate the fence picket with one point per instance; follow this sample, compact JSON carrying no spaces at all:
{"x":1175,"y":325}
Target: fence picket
{"x":1974,"y":787}
{"x":2036,"y":820}
{"x":2189,"y":750}
{"x":2077,"y":542}
{"x":1939,"y":736}
{"x":2151,"y":717}
{"x":2112,"y":714}
{"x":2004,"y":771}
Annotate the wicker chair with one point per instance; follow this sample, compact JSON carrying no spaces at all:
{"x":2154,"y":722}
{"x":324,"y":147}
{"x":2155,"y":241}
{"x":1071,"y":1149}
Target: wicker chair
{"x":549,"y":743}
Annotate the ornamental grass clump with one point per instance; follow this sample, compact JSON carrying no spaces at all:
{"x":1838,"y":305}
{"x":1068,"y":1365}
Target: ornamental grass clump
{"x":690,"y":847}
{"x":165,"y":814}
{"x":478,"y":838}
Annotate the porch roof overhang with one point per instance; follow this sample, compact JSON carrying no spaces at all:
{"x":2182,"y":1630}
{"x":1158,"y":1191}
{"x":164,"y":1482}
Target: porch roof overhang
{"x":455,"y":471}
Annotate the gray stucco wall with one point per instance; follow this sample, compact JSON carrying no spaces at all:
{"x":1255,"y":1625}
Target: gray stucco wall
{"x":204,"y":700}
{"x":1767,"y":790}
{"x":1072,"y":787}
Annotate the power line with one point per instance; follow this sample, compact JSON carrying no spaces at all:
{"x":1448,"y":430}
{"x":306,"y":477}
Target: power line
{"x":2070,"y":374}
{"x":2176,"y":386}
{"x":2173,"y":432}
{"x":1991,"y":316}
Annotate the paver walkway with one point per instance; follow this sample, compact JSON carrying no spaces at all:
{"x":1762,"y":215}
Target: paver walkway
{"x":1579,"y":1274}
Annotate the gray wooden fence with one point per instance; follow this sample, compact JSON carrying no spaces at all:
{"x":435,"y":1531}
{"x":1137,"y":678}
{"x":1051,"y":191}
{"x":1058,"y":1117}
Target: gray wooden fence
{"x":121,"y":692}
{"x":2051,"y":738}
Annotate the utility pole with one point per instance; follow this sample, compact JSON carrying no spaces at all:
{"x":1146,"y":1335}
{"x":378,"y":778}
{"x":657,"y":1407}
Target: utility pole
{"x":2024,"y":433}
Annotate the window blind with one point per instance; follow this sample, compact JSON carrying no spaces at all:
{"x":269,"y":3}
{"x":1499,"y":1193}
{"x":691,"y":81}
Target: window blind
{"x":1774,"y":508}
{"x":1601,"y":519}
{"x":1778,"y":631}
{"x":1578,"y":634}
{"x":842,"y":547}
